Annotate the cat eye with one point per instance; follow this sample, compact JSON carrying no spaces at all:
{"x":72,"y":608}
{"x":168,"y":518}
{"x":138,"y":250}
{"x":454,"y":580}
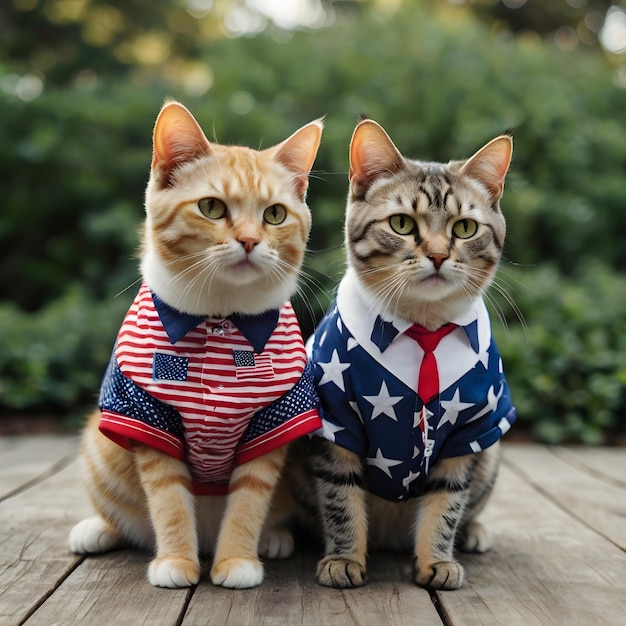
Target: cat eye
{"x":402,"y":224}
{"x":275,"y":214}
{"x":464,"y":229}
{"x":212,"y":208}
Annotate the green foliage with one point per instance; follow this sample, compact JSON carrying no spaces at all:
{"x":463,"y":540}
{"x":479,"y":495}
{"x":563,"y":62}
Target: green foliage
{"x":566,"y":367}
{"x":75,"y":161}
{"x":54,"y":359}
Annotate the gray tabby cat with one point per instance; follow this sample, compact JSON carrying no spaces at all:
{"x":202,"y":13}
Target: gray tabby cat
{"x":409,"y":449}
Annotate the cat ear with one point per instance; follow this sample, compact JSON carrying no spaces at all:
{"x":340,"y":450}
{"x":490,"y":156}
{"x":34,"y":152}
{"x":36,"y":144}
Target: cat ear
{"x":371,"y":153}
{"x":490,"y":164}
{"x":177,"y":138}
{"x":297,"y":153}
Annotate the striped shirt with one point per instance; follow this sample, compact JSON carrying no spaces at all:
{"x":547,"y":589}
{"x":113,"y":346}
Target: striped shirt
{"x":215,"y":392}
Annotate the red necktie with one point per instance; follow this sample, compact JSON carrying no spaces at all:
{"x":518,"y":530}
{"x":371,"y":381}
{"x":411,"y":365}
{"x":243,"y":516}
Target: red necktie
{"x":428,"y":380}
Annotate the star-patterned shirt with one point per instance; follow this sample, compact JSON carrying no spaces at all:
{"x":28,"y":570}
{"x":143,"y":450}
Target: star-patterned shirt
{"x":212,"y":392}
{"x":366,"y":370}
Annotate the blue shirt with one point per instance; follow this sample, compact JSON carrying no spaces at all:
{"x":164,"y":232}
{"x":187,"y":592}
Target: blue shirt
{"x":366,"y":371}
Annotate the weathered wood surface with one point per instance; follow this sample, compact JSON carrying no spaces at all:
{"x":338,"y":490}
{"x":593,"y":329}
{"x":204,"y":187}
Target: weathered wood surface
{"x":558,"y":516}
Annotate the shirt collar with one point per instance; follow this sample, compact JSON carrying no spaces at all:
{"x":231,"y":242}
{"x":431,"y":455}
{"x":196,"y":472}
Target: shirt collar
{"x":385,"y":327}
{"x":257,"y":329}
{"x":384,"y":332}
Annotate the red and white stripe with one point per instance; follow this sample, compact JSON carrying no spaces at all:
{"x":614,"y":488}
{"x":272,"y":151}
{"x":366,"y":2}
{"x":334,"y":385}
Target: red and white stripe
{"x":215,"y":404}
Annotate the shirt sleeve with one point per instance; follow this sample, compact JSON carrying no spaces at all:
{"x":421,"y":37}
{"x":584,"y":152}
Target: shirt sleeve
{"x":341,"y":420}
{"x":131,"y":415}
{"x":482,"y":432}
{"x":293,"y":415}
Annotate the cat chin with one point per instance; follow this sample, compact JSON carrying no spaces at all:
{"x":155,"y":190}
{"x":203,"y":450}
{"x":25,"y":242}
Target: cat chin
{"x":240,"y":288}
{"x":226,"y":296}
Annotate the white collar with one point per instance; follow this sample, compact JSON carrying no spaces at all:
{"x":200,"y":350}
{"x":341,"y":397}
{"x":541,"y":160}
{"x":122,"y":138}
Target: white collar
{"x":381,"y":334}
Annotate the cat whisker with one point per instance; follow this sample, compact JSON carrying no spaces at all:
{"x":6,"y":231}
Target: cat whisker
{"x":498,"y":284}
{"x":306,"y":274}
{"x":391,"y":291}
{"x":305,"y":280}
{"x":135,"y":282}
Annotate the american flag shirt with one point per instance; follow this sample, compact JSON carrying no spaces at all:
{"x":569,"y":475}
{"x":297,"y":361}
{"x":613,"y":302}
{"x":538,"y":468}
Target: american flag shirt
{"x":212,"y":392}
{"x":366,"y":371}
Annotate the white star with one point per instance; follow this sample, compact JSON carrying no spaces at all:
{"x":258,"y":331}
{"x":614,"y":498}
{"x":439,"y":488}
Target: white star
{"x":383,"y":403}
{"x":452,"y":409}
{"x":351,"y":343}
{"x":492,"y":403}
{"x":339,"y":324}
{"x":416,"y":451}
{"x":333,"y":371}
{"x":382,"y":463}
{"x":409,"y":479}
{"x":328,"y":430}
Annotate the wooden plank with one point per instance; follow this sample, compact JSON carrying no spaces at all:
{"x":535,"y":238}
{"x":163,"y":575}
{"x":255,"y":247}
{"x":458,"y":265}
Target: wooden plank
{"x":545,"y":567}
{"x":600,"y":504}
{"x":290,"y":595}
{"x":608,"y":464}
{"x":25,"y":460}
{"x":34,"y":555}
{"x":113,"y":589}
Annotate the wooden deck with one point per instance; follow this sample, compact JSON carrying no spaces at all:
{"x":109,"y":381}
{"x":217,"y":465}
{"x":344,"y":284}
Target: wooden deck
{"x":559,"y":556}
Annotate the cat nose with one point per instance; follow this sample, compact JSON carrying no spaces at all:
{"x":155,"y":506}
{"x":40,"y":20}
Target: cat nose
{"x":248,"y":243}
{"x":437,"y":258}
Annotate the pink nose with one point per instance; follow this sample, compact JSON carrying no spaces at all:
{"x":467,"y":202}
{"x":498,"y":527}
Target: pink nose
{"x":437,"y":259}
{"x":248,"y":243}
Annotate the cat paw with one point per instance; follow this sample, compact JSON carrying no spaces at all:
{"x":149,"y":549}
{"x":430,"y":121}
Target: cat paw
{"x":341,"y":573}
{"x":475,"y":538}
{"x":93,"y":535}
{"x":173,"y":572}
{"x":445,"y":575}
{"x":276,"y":543}
{"x":237,"y":573}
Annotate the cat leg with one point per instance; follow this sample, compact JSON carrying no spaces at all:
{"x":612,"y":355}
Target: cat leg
{"x":167,"y":485}
{"x":109,"y":476}
{"x":337,"y":473}
{"x":440,"y":511}
{"x":475,"y":536}
{"x":277,"y":540}
{"x":236,"y":563}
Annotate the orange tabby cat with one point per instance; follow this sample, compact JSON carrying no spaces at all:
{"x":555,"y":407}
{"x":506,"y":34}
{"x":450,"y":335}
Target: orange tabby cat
{"x":208,"y":378}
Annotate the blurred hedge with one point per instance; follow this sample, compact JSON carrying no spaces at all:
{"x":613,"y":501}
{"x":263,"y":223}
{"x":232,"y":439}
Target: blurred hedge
{"x":75,"y":164}
{"x":565,"y":363}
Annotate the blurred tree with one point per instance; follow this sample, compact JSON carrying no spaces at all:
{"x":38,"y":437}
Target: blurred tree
{"x":79,"y":95}
{"x":570,"y":22}
{"x":69,"y":40}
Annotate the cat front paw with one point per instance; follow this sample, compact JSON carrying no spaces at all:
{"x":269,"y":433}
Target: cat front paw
{"x":276,"y":543}
{"x":342,"y":573}
{"x":173,"y":572}
{"x":237,"y":573}
{"x":93,"y":535}
{"x":445,"y":575}
{"x":475,"y":538}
